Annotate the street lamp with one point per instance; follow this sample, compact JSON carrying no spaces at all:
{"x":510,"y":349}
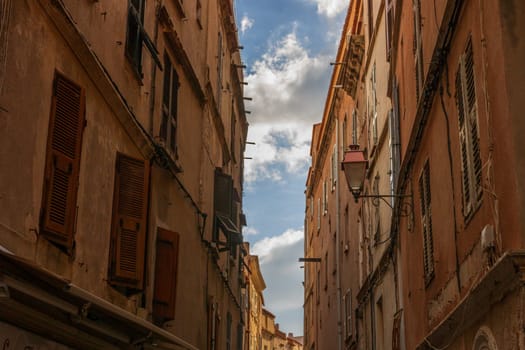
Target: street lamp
{"x":354,"y":166}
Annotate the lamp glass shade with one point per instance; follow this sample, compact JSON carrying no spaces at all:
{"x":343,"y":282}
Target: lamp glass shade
{"x":354,"y":166}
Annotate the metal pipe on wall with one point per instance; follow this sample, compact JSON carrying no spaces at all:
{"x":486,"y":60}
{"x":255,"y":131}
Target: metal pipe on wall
{"x":337,"y":238}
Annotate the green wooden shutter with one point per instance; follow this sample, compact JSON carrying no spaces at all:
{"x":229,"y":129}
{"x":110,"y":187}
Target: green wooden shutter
{"x":471,"y":165}
{"x":128,"y":234}
{"x":463,"y":140}
{"x":166,"y":263}
{"x":473,"y":120}
{"x":64,"y":145}
{"x":426,"y":223}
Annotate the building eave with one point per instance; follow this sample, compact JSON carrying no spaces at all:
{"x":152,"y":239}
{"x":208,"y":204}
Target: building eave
{"x":43,"y":302}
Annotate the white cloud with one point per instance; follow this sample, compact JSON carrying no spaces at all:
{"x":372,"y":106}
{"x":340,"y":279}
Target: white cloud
{"x":250,"y":231}
{"x":278,"y":258}
{"x":288,"y":87}
{"x":279,"y":148}
{"x":330,"y":8}
{"x":268,"y":246}
{"x":246,"y":23}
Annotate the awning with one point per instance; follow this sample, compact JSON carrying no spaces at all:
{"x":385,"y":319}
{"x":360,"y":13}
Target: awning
{"x":42,"y":302}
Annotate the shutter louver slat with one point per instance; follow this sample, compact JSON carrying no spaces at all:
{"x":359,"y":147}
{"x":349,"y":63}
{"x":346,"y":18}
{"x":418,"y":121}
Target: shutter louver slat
{"x":476,"y":155}
{"x":66,"y":117}
{"x":63,"y":161}
{"x":128,"y":250}
{"x":58,"y":207}
{"x":129,"y":222}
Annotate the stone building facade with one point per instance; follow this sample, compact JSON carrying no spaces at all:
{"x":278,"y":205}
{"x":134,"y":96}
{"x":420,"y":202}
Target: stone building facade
{"x":255,"y":286}
{"x":430,"y":255}
{"x":122,"y":137}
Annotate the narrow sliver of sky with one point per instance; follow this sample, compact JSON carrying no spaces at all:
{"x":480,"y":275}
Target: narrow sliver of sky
{"x":288,"y":47}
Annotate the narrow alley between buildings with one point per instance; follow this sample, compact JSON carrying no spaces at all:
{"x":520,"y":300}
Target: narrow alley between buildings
{"x":262,"y":175}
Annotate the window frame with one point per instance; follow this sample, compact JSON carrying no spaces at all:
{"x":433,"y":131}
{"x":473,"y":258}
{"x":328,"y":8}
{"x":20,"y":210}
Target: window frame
{"x":169,"y":108}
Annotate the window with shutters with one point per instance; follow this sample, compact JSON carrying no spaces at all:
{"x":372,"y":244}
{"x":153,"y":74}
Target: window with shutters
{"x":389,"y":26}
{"x":318,"y":286}
{"x":344,"y":132}
{"x":396,"y":330}
{"x":240,"y":336}
{"x":325,"y":262}
{"x":168,"y":126}
{"x":373,"y":88}
{"x":334,"y":167}
{"x":348,"y":314}
{"x":325,"y":198}
{"x":199,"y":13}
{"x":426,"y":223}
{"x":213,"y":325}
{"x":376,"y":228}
{"x":370,"y":19}
{"x":306,"y":233}
{"x":395,"y":143}
{"x":418,"y":49}
{"x":128,"y":226}
{"x":226,"y":209}
{"x":233,"y":140}
{"x":228,"y":331}
{"x":179,"y":4}
{"x":318,"y":215}
{"x":220,"y":53}
{"x":135,"y":34}
{"x":471,"y":166}
{"x":226,"y":232}
{"x":354,"y":126}
{"x":166,"y":261}
{"x":64,"y":144}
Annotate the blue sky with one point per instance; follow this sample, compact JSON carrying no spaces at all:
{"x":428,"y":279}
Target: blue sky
{"x":288,"y":47}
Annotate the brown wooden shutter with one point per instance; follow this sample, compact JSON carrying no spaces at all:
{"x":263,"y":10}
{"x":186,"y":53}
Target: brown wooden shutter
{"x":128,"y":233}
{"x":64,"y":145}
{"x":164,"y":296}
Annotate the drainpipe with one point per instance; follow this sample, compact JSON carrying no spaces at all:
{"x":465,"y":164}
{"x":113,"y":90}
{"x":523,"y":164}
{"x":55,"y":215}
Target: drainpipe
{"x":398,"y":273}
{"x":337,"y":239}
